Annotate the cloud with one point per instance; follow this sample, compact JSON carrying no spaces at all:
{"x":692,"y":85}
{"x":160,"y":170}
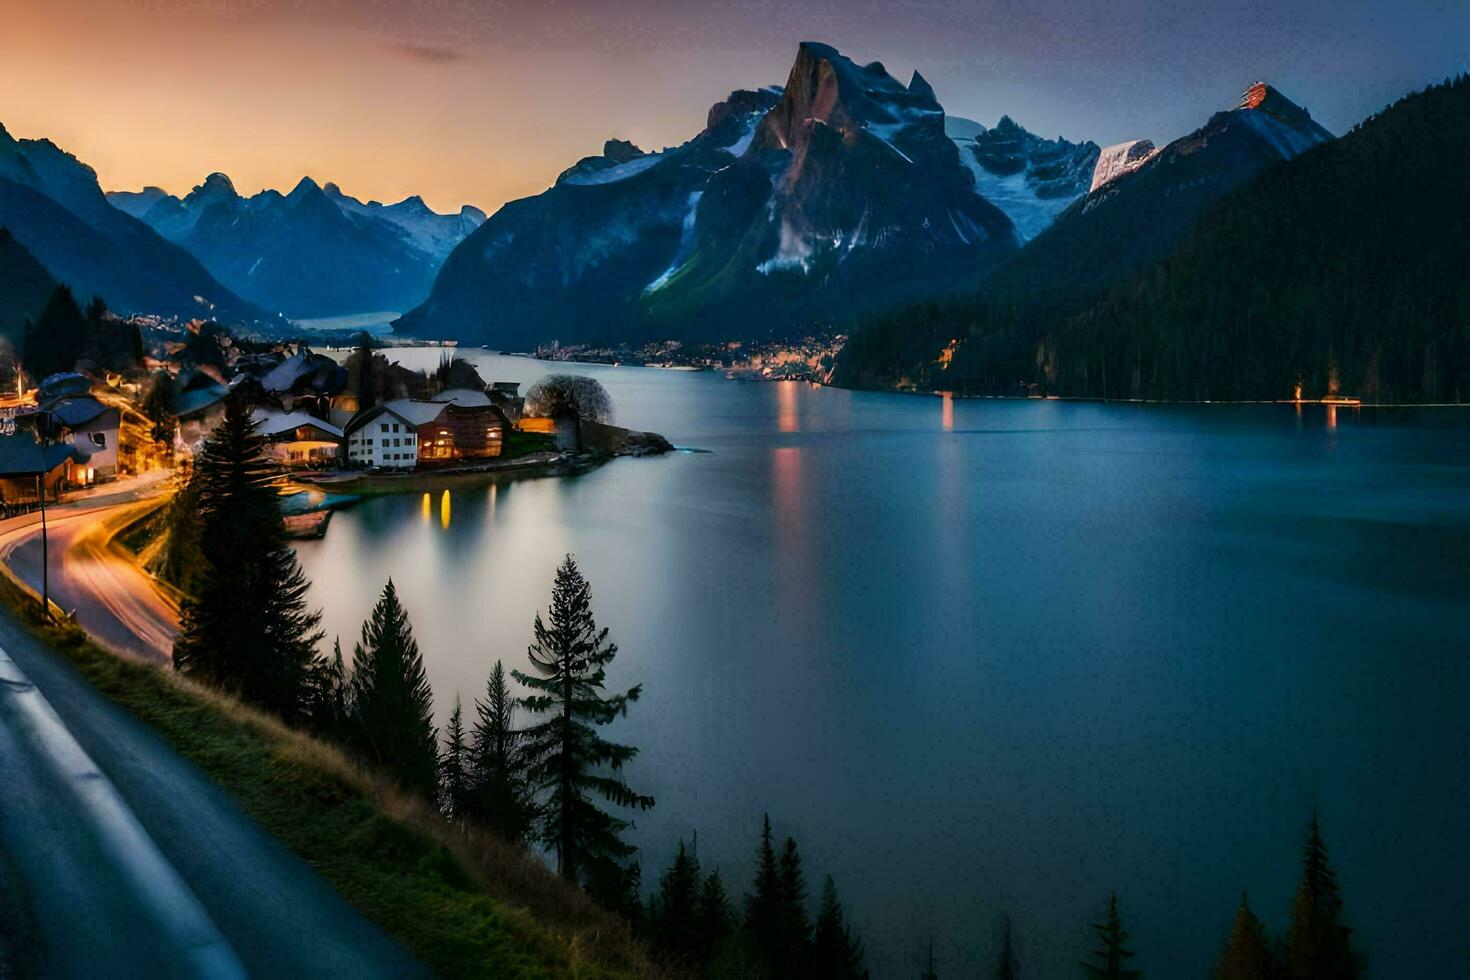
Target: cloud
{"x":430,"y":53}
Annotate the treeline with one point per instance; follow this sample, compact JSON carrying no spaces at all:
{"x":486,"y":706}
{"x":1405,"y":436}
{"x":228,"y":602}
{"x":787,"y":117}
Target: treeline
{"x":62,"y":334}
{"x":1337,"y":272}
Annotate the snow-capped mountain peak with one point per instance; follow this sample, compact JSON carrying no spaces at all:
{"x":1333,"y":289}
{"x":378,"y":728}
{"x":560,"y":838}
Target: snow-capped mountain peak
{"x":1031,"y":179}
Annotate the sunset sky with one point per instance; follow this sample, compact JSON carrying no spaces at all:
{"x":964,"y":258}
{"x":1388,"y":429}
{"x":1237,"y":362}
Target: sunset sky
{"x":482,"y":102}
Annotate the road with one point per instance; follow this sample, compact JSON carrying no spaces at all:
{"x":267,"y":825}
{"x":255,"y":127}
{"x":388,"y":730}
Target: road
{"x":120,"y":858}
{"x":111,"y":599}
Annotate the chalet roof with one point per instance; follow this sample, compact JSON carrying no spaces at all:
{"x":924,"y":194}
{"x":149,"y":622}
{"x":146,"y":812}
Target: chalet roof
{"x":199,"y":400}
{"x":464,"y":397}
{"x":270,"y":424}
{"x":409,"y":411}
{"x":72,"y":412}
{"x":22,"y":455}
{"x":63,"y":383}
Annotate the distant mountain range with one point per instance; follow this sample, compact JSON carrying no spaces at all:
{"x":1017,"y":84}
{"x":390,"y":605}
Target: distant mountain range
{"x":52,"y":205}
{"x":1255,"y":258}
{"x":313,"y":252}
{"x":798,"y":206}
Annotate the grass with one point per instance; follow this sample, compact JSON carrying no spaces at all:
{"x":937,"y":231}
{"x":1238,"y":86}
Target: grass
{"x":462,"y":901}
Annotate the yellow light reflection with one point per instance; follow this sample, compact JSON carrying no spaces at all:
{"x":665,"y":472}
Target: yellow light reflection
{"x":787,"y":419}
{"x":946,"y":413}
{"x":427,"y":508}
{"x":1331,"y":416}
{"x":444,"y":510}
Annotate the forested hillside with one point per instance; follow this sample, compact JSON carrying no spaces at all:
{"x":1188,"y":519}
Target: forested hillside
{"x":1341,"y":270}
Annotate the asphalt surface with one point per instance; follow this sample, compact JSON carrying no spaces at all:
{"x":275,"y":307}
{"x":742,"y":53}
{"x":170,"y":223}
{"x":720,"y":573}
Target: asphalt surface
{"x":110,"y":598}
{"x":120,"y":858}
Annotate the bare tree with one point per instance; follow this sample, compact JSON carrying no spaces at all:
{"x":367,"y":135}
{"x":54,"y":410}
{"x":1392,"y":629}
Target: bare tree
{"x":569,"y":396}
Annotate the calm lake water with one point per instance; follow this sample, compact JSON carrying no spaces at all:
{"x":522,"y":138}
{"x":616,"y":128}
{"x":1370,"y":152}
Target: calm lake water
{"x":985,"y":657}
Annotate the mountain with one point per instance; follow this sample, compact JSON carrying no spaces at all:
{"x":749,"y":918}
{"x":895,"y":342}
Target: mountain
{"x":25,"y":285}
{"x":1105,"y":237}
{"x":1029,"y":178}
{"x":52,"y":205}
{"x":1119,"y":159}
{"x":1338,"y":272}
{"x":313,"y":252}
{"x":801,"y":205}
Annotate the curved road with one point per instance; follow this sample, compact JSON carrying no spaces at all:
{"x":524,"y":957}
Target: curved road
{"x":111,"y":599}
{"x":120,"y":858}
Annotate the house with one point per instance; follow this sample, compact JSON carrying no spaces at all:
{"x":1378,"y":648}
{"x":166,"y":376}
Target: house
{"x":198,"y":403}
{"x":386,"y":436}
{"x":94,"y":428}
{"x":298,"y":439}
{"x":404,"y":432}
{"x":22,"y":461}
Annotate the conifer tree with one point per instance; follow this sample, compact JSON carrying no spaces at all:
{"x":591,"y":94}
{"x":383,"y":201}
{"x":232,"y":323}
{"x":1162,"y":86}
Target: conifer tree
{"x":56,"y":338}
{"x":1111,"y":953}
{"x":674,"y":920}
{"x":836,"y":953}
{"x":327,"y":694}
{"x":247,"y":627}
{"x":454,"y":782}
{"x":498,"y":789}
{"x":1318,"y":945}
{"x":392,"y":707}
{"x":716,"y":918}
{"x":567,"y":759}
{"x":763,"y":906}
{"x":796,"y":930}
{"x":1247,"y":953}
{"x":1007,"y":966}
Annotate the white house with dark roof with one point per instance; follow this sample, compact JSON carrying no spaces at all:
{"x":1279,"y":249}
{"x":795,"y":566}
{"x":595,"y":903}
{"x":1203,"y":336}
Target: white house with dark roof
{"x":386,"y":436}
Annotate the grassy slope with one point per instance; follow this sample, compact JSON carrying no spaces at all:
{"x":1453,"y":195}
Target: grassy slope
{"x":464,"y":903}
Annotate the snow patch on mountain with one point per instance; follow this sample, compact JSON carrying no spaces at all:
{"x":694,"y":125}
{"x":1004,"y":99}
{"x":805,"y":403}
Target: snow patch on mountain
{"x":1121,"y":158}
{"x":615,"y":173}
{"x":686,"y":245}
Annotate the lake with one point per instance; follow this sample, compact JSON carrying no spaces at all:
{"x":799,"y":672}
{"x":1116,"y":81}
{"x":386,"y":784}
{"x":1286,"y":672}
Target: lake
{"x":997,"y":657}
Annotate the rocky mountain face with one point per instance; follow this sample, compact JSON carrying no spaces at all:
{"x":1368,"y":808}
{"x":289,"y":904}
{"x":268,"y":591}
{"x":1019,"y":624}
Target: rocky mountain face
{"x":801,"y":205}
{"x":1142,"y":209}
{"x":1029,"y":178}
{"x":1143,"y":204}
{"x":52,"y":205}
{"x":1338,"y":272}
{"x":314,"y":252}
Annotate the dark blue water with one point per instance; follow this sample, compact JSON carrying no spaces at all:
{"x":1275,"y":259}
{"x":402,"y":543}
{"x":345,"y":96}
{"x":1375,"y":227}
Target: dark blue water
{"x":992,"y":657}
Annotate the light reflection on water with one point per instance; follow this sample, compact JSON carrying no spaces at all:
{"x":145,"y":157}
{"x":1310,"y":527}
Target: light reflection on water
{"x":1002,"y":656}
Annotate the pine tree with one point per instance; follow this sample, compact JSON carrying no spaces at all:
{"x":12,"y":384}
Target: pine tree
{"x":1247,"y":953}
{"x":247,"y":627}
{"x":1112,"y":952}
{"x":716,"y":917}
{"x":836,"y":953}
{"x":56,"y":338}
{"x":795,"y":929}
{"x":498,"y":787}
{"x":1007,"y":967}
{"x":565,"y":756}
{"x":674,"y":919}
{"x":392,"y":707}
{"x":1318,"y":945}
{"x":454,"y":782}
{"x":327,"y":698}
{"x":763,"y":908}
{"x":366,"y":390}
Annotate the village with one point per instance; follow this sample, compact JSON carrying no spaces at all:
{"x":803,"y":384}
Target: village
{"x":352,"y":422}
